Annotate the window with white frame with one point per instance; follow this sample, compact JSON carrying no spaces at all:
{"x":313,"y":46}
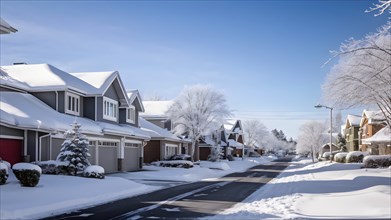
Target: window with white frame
{"x":72,"y":104}
{"x":131,"y":114}
{"x":170,"y":150}
{"x":110,"y":109}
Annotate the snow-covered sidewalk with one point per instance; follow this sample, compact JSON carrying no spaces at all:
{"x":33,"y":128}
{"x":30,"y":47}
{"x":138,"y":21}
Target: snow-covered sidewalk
{"x":320,"y":190}
{"x":57,"y":194}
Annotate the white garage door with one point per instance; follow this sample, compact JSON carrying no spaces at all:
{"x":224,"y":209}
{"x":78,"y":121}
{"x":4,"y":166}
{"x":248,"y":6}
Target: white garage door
{"x":131,"y":157}
{"x":108,"y":156}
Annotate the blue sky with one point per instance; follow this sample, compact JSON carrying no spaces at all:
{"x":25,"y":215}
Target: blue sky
{"x":266,"y":56}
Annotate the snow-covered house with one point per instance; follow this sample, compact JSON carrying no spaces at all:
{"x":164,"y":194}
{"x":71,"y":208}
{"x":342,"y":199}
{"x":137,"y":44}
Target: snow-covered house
{"x":155,"y":112}
{"x":218,"y":137}
{"x":352,"y":127}
{"x":39,"y":102}
{"x":5,"y":28}
{"x":371,"y":122}
{"x":163,"y":143}
{"x":235,"y":137}
{"x":382,"y":139}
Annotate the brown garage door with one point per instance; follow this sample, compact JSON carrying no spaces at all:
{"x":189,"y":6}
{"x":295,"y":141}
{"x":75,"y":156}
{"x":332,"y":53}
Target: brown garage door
{"x":11,"y":150}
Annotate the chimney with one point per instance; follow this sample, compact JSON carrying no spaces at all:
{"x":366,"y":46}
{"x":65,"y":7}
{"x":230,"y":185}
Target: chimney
{"x":20,"y":63}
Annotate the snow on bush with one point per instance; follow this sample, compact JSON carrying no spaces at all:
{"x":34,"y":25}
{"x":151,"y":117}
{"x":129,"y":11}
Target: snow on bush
{"x":340,"y":157}
{"x":94,"y":171}
{"x":54,"y":167}
{"x":3,"y":173}
{"x":28,"y":174}
{"x":356,"y":156}
{"x":174,"y":163}
{"x":215,"y":165}
{"x":375,"y":161}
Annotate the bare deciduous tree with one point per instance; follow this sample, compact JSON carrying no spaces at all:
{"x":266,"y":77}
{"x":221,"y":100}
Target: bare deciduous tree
{"x":254,"y":132}
{"x":196,"y":111}
{"x":381,"y":7}
{"x":311,"y":138}
{"x":362,"y":75}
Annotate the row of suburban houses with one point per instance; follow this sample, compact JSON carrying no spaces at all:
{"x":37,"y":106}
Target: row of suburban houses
{"x":368,"y":132}
{"x":40,"y":101}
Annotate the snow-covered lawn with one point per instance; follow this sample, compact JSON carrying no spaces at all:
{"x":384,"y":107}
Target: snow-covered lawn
{"x":320,"y":190}
{"x":56,"y":194}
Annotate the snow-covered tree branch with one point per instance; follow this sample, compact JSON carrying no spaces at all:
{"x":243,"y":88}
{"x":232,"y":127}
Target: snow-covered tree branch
{"x":380,"y":7}
{"x":362,"y":75}
{"x":196,"y":111}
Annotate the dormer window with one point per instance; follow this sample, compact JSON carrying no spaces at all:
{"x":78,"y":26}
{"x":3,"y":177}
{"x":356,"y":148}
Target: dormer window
{"x":110,"y":109}
{"x":131,"y":114}
{"x":72,"y":104}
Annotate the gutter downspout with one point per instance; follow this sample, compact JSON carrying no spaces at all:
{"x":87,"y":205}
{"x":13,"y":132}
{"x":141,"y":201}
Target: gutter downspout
{"x":39,"y":156}
{"x":56,"y":100}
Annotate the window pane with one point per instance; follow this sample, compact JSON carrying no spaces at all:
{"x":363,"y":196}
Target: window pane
{"x":69,"y":103}
{"x":77,"y":105}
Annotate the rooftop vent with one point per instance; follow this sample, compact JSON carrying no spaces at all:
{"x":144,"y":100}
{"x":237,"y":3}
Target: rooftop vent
{"x":21,"y":63}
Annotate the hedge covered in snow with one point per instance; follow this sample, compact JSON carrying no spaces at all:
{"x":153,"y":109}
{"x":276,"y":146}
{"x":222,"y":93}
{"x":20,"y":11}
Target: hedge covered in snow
{"x":94,"y":171}
{"x":28,"y":174}
{"x":3,"y":173}
{"x":340,"y":157}
{"x":375,"y":161}
{"x":356,"y":156}
{"x":174,"y":163}
{"x":54,"y":167}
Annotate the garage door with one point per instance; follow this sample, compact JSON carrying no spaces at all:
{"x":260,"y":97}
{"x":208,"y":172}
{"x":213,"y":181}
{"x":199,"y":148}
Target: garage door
{"x":11,"y":150}
{"x":131,"y":159}
{"x":108,"y":156}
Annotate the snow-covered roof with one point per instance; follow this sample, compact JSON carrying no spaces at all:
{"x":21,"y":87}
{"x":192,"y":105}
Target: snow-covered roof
{"x":6,"y":80}
{"x":382,"y":136}
{"x":156,"y":132}
{"x":233,"y":143}
{"x":229,"y":124}
{"x":31,"y":76}
{"x":353,"y":120}
{"x":5,"y":28}
{"x":373,"y":117}
{"x":28,"y":112}
{"x":156,"y":109}
{"x":133,"y":95}
{"x":100,"y":80}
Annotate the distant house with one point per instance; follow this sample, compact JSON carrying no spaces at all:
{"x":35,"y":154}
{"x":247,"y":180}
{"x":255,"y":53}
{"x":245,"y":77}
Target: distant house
{"x":371,"y":123}
{"x":155,"y":112}
{"x":351,"y":130}
{"x":163,"y":142}
{"x":5,"y":28}
{"x":40,"y":101}
{"x":218,"y":137}
{"x":235,"y":137}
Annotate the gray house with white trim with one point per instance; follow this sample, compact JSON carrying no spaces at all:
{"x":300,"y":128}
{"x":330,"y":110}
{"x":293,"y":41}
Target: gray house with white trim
{"x":39,"y":102}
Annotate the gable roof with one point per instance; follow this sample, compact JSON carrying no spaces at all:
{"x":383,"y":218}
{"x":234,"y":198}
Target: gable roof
{"x":134,"y":96}
{"x":101,"y":81}
{"x":233,"y":126}
{"x":5,"y":28}
{"x":156,"y":109}
{"x":29,"y":76}
{"x":353,"y":120}
{"x":373,"y":117}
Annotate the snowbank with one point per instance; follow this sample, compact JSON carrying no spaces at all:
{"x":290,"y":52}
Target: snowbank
{"x":321,"y":190}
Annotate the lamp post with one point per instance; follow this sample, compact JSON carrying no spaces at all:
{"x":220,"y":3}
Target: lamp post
{"x":331,"y":126}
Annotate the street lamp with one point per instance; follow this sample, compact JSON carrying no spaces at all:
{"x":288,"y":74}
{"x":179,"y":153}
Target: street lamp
{"x":331,"y":125}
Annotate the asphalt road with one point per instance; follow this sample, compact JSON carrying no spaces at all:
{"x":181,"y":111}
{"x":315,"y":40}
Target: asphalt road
{"x":186,"y":201}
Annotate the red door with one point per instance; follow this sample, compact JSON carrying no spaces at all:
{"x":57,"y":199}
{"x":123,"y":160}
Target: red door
{"x":11,"y":150}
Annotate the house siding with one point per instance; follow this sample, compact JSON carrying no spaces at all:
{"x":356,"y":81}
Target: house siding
{"x":152,"y":151}
{"x":47,"y":97}
{"x":11,"y":131}
{"x":111,"y":93}
{"x":61,"y":101}
{"x":89,"y":107}
{"x":31,"y":145}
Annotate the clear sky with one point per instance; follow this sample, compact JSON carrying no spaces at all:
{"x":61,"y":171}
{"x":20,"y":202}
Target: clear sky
{"x":266,"y":56}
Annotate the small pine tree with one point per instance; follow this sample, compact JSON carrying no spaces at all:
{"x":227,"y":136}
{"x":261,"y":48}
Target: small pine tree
{"x":75,"y":150}
{"x":341,"y":142}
